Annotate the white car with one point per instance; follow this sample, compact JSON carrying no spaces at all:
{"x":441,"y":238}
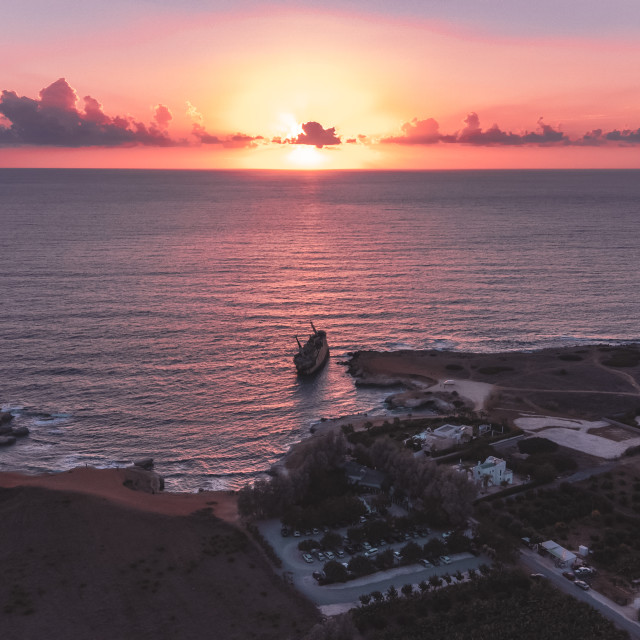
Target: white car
{"x":329,"y":555}
{"x":445,"y":559}
{"x":371,"y":552}
{"x":307,"y":557}
{"x":425,"y":562}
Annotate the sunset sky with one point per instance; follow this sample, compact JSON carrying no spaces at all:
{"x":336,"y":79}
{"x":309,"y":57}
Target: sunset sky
{"x":293,"y":85}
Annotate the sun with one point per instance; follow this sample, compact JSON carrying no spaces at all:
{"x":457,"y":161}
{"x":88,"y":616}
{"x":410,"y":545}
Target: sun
{"x":304,"y":156}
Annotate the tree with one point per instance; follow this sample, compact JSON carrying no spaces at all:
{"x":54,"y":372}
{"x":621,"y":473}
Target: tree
{"x":331,"y":540}
{"x":361,"y":566}
{"x":335,"y":572}
{"x":423,"y":585}
{"x":435,"y":581}
{"x":308,"y":545}
{"x":545,"y":473}
{"x":407,"y":590}
{"x":356,"y":534}
{"x":434,"y":548}
{"x":384,"y":560}
{"x":392,"y":593}
{"x":447,"y":578}
{"x":377,"y":596}
{"x":411,"y":552}
{"x":365,"y":599}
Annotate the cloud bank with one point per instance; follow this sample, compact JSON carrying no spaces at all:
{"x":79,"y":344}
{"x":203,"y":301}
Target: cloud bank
{"x":427,"y":132}
{"x":423,"y":132}
{"x":54,"y":120}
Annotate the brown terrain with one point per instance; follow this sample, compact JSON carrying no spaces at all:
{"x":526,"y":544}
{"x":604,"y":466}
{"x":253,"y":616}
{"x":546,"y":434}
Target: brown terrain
{"x":85,"y":557}
{"x":586,"y":381}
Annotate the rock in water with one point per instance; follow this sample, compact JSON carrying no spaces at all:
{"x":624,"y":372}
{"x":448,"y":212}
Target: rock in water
{"x":5,"y":441}
{"x":139,"y":479}
{"x":144,"y":463}
{"x":5,"y":417}
{"x":19,"y":432}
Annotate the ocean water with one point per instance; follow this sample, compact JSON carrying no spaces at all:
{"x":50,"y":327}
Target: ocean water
{"x":155,"y":312}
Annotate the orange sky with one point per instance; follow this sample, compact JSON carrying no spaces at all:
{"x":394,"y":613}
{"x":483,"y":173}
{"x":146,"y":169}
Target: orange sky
{"x":263,"y":73}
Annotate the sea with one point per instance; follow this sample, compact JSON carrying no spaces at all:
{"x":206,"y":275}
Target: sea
{"x":155,"y":313}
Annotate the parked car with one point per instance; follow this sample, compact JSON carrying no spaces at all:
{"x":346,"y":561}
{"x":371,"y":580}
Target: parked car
{"x":445,"y":559}
{"x":582,"y":584}
{"x":366,"y":545}
{"x":296,"y":533}
{"x":329,"y":555}
{"x":382,"y":543}
{"x":320,"y":556}
{"x":319,"y":575}
{"x":340,"y":553}
{"x":538,"y":576}
{"x":315,"y":531}
{"x":569,"y":575}
{"x":397,"y":555}
{"x":446,"y":534}
{"x":349,"y":549}
{"x":307,"y":557}
{"x":371,"y":552}
{"x":425,"y":562}
{"x":284,"y":532}
{"x":307,"y":532}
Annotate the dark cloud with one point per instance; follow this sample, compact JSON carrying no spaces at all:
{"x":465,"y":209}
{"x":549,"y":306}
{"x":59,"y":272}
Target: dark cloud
{"x":627,"y":136}
{"x":237,"y":141}
{"x":54,"y":120}
{"x":422,"y":132}
{"x":315,"y":135}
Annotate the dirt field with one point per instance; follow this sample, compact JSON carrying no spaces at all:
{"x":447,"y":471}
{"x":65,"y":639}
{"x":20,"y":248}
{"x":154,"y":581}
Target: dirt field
{"x":114,"y":563}
{"x":585,"y":382}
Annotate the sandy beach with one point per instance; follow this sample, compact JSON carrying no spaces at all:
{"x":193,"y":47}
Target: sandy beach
{"x":109,"y":484}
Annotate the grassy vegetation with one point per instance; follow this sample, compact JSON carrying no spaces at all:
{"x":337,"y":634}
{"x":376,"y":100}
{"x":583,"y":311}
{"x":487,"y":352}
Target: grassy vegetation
{"x":602,"y":513}
{"x":493,"y":370}
{"x":501,"y":606}
{"x":628,"y":357}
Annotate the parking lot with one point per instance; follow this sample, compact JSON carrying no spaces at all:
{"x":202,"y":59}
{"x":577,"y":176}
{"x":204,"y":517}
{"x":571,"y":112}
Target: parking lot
{"x":300,"y":572}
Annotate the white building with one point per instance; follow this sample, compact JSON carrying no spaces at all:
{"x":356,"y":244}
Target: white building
{"x":445,"y":437}
{"x":495,"y":469}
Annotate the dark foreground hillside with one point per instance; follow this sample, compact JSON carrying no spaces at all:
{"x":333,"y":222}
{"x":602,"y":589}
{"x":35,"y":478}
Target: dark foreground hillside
{"x":77,"y":566}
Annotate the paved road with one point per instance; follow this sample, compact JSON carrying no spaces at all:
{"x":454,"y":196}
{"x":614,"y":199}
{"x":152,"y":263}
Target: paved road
{"x":610,"y":610}
{"x":349,"y":592}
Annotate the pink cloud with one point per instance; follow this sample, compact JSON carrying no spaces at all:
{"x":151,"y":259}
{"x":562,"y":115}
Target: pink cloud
{"x":162,"y":116}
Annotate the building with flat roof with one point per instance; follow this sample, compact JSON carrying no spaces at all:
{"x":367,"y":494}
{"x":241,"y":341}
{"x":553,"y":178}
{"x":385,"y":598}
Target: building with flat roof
{"x":561,"y":556}
{"x":364,"y":477}
{"x":493,"y":471}
{"x":445,"y":437}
